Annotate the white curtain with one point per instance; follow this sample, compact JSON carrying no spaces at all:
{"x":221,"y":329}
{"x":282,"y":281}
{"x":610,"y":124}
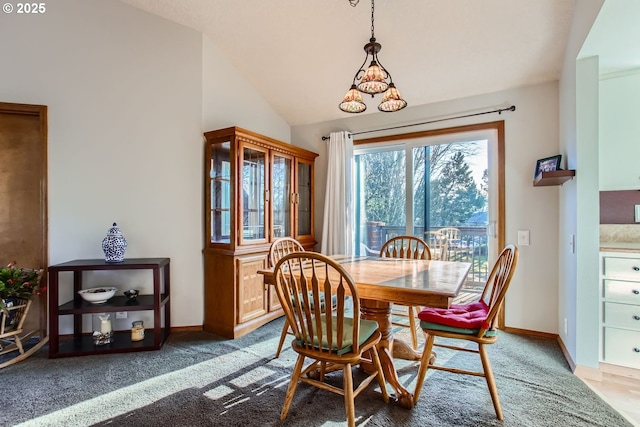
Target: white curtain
{"x":338,"y":225}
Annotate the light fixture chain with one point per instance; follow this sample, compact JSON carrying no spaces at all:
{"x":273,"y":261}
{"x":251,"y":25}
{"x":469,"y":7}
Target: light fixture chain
{"x":372,"y":7}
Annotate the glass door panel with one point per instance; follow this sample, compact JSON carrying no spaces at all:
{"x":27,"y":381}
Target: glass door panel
{"x":220,"y":188}
{"x":303,"y":198}
{"x":281,"y":197}
{"x":253,"y":218}
{"x":381,"y":198}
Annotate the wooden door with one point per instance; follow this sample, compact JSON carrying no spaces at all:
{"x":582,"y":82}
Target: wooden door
{"x":23,"y":196}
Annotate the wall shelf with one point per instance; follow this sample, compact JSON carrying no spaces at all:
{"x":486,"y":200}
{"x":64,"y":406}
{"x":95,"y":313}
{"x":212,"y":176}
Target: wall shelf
{"x":553,"y":178}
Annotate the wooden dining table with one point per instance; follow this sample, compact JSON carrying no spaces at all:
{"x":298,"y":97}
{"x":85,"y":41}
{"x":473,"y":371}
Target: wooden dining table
{"x":382,"y":282}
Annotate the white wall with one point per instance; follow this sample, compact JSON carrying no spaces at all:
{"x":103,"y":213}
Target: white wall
{"x":572,"y":202}
{"x":531,"y":133}
{"x":230,"y":100}
{"x":619,"y":130}
{"x":125,"y":94}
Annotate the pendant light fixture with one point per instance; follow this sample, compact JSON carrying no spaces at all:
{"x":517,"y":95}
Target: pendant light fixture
{"x":376,"y":79}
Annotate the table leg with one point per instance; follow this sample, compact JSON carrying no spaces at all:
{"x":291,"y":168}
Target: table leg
{"x":381,"y":312}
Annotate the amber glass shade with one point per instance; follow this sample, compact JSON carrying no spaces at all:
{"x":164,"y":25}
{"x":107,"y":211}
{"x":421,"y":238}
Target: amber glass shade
{"x":352,"y":102}
{"x":391,"y":100}
{"x":373,"y":80}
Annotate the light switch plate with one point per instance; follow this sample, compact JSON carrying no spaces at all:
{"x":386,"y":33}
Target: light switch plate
{"x":637,"y":210}
{"x":523,"y":237}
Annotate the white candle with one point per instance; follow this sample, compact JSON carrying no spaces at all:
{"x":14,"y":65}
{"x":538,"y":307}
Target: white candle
{"x":105,"y":326}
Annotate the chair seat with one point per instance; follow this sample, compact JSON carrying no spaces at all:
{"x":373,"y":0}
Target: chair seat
{"x":367,"y":329}
{"x":466,"y":319}
{"x":467,"y":316}
{"x":430,"y":326}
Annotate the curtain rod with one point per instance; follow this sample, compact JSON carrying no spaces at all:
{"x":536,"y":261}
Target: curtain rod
{"x":499,"y":111}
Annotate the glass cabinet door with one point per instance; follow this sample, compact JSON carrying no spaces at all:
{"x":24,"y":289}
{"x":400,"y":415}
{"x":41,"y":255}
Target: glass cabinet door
{"x":254,"y":193}
{"x":304,"y":202}
{"x":220,"y":192}
{"x":281,"y":198}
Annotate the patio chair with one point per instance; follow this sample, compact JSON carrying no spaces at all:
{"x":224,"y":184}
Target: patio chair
{"x":438,"y":243}
{"x":332,"y":339}
{"x":470,"y":322}
{"x":454,"y":242}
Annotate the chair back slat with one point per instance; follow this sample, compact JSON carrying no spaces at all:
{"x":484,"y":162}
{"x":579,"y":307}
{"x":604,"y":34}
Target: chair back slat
{"x":407,"y":247}
{"x":307,"y":283}
{"x":281,"y":247}
{"x":498,"y":283}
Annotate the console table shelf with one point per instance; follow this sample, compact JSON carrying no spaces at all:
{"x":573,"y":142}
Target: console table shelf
{"x":79,"y":343}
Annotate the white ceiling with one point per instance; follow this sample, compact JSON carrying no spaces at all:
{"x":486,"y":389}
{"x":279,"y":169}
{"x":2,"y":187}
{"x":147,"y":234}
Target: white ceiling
{"x":615,"y":37}
{"x":301,"y":55}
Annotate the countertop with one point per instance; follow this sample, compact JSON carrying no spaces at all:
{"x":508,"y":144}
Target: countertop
{"x":620,"y":247}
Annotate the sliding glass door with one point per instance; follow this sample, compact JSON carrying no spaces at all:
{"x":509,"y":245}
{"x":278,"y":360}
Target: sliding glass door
{"x":446,"y":182}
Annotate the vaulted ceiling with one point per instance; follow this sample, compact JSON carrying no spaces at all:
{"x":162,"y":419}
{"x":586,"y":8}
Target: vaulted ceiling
{"x":301,"y":55}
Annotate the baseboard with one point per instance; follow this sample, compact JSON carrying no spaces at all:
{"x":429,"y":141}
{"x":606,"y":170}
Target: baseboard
{"x":195,"y":328}
{"x":567,"y":355}
{"x":531,"y":333}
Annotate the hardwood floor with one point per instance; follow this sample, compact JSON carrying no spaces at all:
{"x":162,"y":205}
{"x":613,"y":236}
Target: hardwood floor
{"x":622,"y":393}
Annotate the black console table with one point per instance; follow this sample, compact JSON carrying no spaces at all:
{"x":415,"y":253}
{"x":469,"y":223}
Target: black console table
{"x":80,"y":344}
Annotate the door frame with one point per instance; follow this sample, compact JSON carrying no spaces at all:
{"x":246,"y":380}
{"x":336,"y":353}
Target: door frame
{"x":498,"y":127}
{"x":39,"y":111}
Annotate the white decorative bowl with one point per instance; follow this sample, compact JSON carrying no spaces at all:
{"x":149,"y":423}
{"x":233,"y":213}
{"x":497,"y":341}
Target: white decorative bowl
{"x":97,"y":295}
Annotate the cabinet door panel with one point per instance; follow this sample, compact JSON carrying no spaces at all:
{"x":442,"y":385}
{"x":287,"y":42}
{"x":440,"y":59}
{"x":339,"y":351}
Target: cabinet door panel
{"x":282,"y":189}
{"x":304,"y":198}
{"x":622,"y":347}
{"x":220,"y":193}
{"x":253,"y":194}
{"x":252,"y":298}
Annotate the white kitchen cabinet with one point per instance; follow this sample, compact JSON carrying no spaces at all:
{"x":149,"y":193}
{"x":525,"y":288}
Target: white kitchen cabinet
{"x":620,"y":308}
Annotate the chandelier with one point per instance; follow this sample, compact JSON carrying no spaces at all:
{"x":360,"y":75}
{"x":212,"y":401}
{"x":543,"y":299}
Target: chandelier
{"x":376,"y":79}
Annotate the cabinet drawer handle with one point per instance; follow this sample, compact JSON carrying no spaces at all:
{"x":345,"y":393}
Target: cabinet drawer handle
{"x":636,"y":317}
{"x":635,"y":292}
{"x":636,"y":268}
{"x":636,"y":349}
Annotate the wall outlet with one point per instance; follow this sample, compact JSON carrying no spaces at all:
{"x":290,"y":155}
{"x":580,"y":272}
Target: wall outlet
{"x":121,"y":314}
{"x":566,"y":327}
{"x":637,"y":212}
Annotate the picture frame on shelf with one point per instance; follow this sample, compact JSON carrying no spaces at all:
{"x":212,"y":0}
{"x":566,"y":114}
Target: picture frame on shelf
{"x":548,"y":164}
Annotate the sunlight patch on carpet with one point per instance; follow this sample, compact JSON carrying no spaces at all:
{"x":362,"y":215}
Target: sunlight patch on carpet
{"x":139,"y":395}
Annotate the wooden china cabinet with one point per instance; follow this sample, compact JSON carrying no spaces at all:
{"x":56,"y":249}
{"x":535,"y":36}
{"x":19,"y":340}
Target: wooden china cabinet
{"x":256,"y":190}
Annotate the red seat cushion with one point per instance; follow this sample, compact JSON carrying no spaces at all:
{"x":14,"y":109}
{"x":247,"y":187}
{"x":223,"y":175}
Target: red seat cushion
{"x":468,"y":316}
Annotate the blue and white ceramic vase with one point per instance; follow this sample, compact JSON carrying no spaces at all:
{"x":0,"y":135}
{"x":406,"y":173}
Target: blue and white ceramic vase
{"x":114,"y":245}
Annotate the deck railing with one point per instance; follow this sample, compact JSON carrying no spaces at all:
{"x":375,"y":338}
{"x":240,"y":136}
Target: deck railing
{"x":471,"y":247}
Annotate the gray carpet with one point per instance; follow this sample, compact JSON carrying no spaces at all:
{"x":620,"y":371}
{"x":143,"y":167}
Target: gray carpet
{"x":198,"y":379}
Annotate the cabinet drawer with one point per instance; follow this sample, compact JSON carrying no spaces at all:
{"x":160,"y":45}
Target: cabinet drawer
{"x":627,"y":292}
{"x":622,"y":347}
{"x":622,"y":315}
{"x":622,"y":268}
